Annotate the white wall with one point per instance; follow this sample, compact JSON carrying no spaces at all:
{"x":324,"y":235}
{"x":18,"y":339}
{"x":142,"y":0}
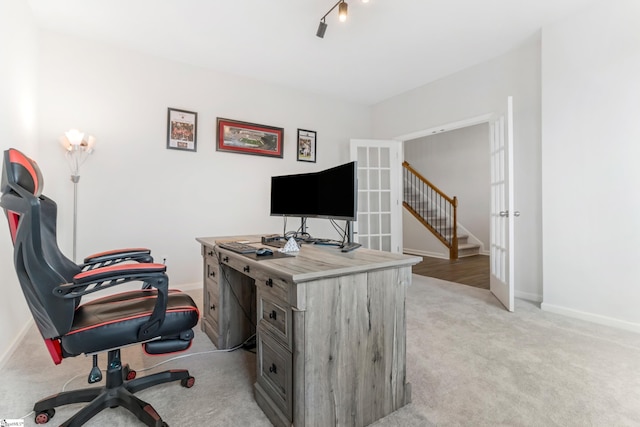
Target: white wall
{"x":133,"y":191}
{"x":18,"y":91}
{"x":474,"y":92}
{"x":458,"y":163}
{"x":590,"y":175}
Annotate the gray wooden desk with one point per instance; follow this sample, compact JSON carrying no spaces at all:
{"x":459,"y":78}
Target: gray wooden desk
{"x":331,"y":336}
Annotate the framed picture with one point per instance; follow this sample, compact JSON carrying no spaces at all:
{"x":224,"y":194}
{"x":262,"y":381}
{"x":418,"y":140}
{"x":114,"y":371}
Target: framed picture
{"x":306,"y":145}
{"x":249,"y":138}
{"x":182,"y":129}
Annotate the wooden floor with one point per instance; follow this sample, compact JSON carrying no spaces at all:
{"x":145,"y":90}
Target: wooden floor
{"x":472,"y":271}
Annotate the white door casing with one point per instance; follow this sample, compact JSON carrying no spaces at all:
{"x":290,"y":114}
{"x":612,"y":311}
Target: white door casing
{"x":502,"y":274}
{"x":379,"y":224}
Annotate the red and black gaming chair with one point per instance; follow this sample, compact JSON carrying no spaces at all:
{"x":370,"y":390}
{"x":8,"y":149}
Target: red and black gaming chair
{"x":159,"y":318}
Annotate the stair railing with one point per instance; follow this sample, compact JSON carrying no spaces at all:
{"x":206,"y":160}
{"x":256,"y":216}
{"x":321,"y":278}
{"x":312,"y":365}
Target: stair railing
{"x":432,"y":207}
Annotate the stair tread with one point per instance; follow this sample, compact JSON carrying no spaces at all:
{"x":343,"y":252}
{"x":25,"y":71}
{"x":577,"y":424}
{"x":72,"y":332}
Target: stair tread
{"x":467,"y":245}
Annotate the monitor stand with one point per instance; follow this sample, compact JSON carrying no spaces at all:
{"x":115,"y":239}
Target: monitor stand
{"x":349,"y":245}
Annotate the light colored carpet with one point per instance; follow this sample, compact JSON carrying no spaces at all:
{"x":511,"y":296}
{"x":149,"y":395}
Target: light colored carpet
{"x":470,"y":363}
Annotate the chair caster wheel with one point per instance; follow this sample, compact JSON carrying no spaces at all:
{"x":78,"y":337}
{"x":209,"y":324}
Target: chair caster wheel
{"x":43,"y":417}
{"x":187,"y":382}
{"x":165,"y":424}
{"x":129,"y":374}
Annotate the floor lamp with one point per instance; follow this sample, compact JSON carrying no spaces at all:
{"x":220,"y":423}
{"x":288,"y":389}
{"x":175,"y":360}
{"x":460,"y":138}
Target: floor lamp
{"x":77,"y":150}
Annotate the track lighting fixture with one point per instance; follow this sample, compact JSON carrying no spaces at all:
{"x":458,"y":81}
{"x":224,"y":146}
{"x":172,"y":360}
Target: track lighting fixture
{"x":321,"y":28}
{"x":343,"y":10}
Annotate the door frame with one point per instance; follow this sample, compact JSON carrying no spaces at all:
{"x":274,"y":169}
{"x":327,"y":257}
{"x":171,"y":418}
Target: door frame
{"x":483,"y":118}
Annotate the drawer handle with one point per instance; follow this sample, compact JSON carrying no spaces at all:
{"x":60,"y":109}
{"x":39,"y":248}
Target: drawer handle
{"x":273,"y":368}
{"x":247,"y":269}
{"x":210,"y":253}
{"x":213,"y":307}
{"x":269,"y":283}
{"x":273,"y":315}
{"x":225,"y":259}
{"x":212,"y":274}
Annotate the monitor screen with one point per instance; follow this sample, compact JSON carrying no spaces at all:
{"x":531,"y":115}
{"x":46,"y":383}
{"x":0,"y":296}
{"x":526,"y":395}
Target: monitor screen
{"x":331,"y":193}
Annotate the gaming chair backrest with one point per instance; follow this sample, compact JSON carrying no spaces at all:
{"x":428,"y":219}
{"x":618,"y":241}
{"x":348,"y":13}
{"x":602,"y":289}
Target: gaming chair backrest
{"x":40,"y":266}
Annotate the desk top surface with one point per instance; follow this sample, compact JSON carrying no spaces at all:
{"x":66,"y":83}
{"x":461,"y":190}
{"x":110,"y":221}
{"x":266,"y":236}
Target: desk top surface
{"x":316,"y":261}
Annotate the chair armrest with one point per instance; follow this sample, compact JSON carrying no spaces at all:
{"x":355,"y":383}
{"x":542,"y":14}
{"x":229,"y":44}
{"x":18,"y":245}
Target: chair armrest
{"x":153,"y":275}
{"x":94,"y":280}
{"x":116,"y":256}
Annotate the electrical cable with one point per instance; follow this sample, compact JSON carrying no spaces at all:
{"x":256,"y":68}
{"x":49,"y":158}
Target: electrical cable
{"x":183,"y":356}
{"x":247,"y":315}
{"x":340,"y":230}
{"x":223,"y":268}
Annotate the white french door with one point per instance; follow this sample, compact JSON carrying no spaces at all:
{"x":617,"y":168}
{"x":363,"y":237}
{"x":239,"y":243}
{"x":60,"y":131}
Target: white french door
{"x":379,"y":224}
{"x":503,"y":214}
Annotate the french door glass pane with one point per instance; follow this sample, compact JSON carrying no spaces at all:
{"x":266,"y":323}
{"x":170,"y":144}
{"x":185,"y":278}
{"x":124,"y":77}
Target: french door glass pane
{"x":363,"y":224}
{"x":373,"y":157}
{"x":362,"y":157}
{"x":385,"y":201}
{"x":386,"y":243}
{"x":386,"y":223}
{"x":385,"y":157}
{"x":374,"y":182}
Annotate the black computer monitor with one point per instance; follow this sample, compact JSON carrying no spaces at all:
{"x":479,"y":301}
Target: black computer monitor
{"x":331,"y":193}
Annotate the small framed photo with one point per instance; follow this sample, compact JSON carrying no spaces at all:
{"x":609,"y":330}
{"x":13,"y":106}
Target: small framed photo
{"x":182,"y":129}
{"x":306,"y":145}
{"x":249,"y":138}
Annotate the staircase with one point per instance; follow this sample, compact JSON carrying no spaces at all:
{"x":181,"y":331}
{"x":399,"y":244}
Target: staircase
{"x":437,"y":212}
{"x":438,"y":221}
{"x":465,"y":248}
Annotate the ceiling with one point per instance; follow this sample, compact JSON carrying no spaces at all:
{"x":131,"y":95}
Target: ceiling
{"x":385,"y":47}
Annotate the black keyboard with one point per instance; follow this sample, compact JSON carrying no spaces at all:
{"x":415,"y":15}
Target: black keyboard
{"x":241,"y":248}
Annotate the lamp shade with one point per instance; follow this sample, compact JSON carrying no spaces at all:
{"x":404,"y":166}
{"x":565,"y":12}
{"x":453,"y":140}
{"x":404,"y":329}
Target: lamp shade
{"x":74,"y":136}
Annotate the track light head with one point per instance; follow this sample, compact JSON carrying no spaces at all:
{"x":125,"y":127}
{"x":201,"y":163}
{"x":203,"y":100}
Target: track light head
{"x":343,"y":10}
{"x":321,"y":29}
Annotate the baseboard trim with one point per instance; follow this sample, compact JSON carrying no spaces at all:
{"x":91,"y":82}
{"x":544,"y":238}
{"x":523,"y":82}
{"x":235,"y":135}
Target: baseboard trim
{"x":15,"y":343}
{"x":528,"y":296}
{"x":590,"y":317}
{"x":425,"y":253}
{"x":193,"y":286}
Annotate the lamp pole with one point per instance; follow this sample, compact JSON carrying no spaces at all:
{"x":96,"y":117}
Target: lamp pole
{"x":77,"y":151}
{"x":75,"y":179}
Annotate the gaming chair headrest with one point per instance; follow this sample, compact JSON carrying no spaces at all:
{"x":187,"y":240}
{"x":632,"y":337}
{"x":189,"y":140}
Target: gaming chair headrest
{"x":20,"y":170}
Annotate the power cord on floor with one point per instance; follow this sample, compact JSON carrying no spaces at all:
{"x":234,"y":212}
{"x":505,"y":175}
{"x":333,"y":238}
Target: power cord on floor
{"x":182,"y":356}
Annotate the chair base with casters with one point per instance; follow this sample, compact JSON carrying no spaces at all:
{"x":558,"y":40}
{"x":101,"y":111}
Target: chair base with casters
{"x":118,"y":392}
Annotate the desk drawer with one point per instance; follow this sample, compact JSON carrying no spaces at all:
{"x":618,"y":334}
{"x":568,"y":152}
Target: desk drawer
{"x":276,"y":317}
{"x":238,"y":263}
{"x":272,"y":285}
{"x":275,"y":372}
{"x":211,"y":303}
{"x":211,"y":269}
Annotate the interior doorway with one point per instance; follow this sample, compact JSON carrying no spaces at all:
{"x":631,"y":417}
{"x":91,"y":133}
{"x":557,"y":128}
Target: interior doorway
{"x":456,"y":158}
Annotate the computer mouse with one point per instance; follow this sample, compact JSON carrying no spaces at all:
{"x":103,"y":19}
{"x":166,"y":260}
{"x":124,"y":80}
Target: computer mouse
{"x":264,"y":251}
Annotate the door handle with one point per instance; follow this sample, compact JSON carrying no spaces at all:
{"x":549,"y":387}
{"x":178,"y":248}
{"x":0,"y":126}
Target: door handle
{"x":504,"y":213}
{"x":516,"y":213}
